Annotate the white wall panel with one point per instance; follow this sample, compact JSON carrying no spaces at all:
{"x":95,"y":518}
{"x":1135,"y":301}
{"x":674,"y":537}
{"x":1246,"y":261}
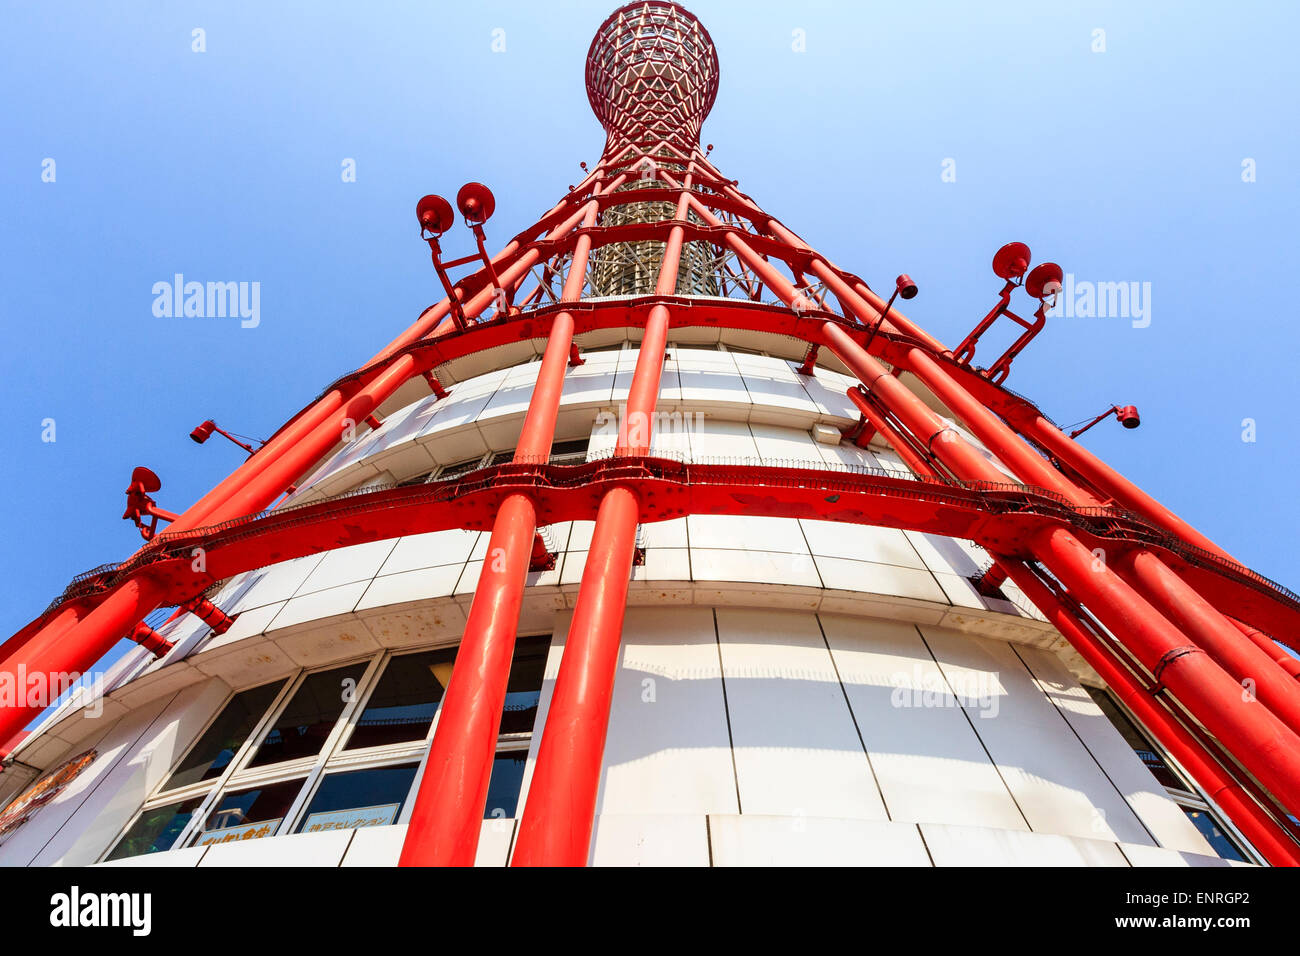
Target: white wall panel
{"x":278,"y":582}
{"x":982,"y":846}
{"x":757,"y":840}
{"x":668,"y":749}
{"x":835,"y":539}
{"x":1163,"y":818}
{"x":715,"y":438}
{"x":1054,"y":778}
{"x":648,"y":840}
{"x":796,"y":747}
{"x":296,"y":849}
{"x":927,"y":759}
{"x":91,"y":830}
{"x":746,"y":532}
{"x":114,"y":743}
{"x":359,"y":562}
{"x":784,"y":446}
{"x":435,"y":549}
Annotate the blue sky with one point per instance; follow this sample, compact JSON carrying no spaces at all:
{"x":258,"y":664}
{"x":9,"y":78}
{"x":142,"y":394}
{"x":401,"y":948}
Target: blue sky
{"x":1122,"y":165}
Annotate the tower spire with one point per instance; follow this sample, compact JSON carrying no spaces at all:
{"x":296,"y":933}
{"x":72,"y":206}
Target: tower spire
{"x":652,"y":77}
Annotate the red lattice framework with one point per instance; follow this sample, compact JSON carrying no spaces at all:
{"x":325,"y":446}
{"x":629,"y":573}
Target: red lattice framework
{"x":1175,"y":626}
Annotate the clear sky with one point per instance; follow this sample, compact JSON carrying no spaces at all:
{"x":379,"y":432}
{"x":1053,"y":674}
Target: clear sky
{"x":1123,"y":165}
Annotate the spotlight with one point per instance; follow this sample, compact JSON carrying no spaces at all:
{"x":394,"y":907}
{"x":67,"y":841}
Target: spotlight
{"x":436,"y":217}
{"x":434,"y":214}
{"x":1127,"y":415}
{"x":1011,"y":261}
{"x":903,"y":286}
{"x":476,"y":203}
{"x":204,"y":431}
{"x":1044,"y":281}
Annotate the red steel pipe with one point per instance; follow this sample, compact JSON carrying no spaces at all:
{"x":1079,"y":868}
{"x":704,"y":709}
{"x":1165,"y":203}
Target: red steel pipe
{"x":1198,"y":619}
{"x":1101,"y":476}
{"x":1263,"y":744}
{"x":1254,"y":822}
{"x":446,"y":819}
{"x":74,"y":654}
{"x":886,"y":431}
{"x":63,"y":620}
{"x":448,"y":813}
{"x":1269,"y":647}
{"x":559,"y":812}
{"x":1156,"y":582}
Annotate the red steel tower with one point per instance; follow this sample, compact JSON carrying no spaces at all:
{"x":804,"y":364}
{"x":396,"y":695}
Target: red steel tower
{"x":656,"y":240}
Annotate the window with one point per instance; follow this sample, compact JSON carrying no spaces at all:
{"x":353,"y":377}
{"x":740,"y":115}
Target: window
{"x":503,"y":790}
{"x":249,"y":814}
{"x":459,"y":468}
{"x":570,"y":452}
{"x":1180,"y":790}
{"x":301,"y":730}
{"x":156,"y":830}
{"x":402,"y":706}
{"x":1214,"y":835}
{"x":220,"y":742}
{"x":1138,"y":741}
{"x":524,"y":691}
{"x":340,"y":750}
{"x":359,"y":798}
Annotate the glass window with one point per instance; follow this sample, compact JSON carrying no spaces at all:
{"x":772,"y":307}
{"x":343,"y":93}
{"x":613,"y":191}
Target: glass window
{"x":157,"y":829}
{"x":570,"y":452}
{"x":460,"y":468}
{"x":1138,"y":741}
{"x":219,"y":744}
{"x":359,"y":798}
{"x":301,"y":730}
{"x":524,"y":691}
{"x":249,"y":814}
{"x":1221,"y":842}
{"x":404,"y":700}
{"x":503,"y":790}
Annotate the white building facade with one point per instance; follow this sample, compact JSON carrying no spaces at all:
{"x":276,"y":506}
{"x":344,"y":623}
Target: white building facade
{"x":790,"y":691}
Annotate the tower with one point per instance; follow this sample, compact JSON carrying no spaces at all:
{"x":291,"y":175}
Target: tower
{"x":811,"y":642}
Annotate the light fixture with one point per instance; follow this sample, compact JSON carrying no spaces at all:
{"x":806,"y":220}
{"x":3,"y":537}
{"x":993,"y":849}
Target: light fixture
{"x":903,"y":286}
{"x":1010,"y":264}
{"x":204,"y":431}
{"x":436,"y":217}
{"x":1126,"y":415}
